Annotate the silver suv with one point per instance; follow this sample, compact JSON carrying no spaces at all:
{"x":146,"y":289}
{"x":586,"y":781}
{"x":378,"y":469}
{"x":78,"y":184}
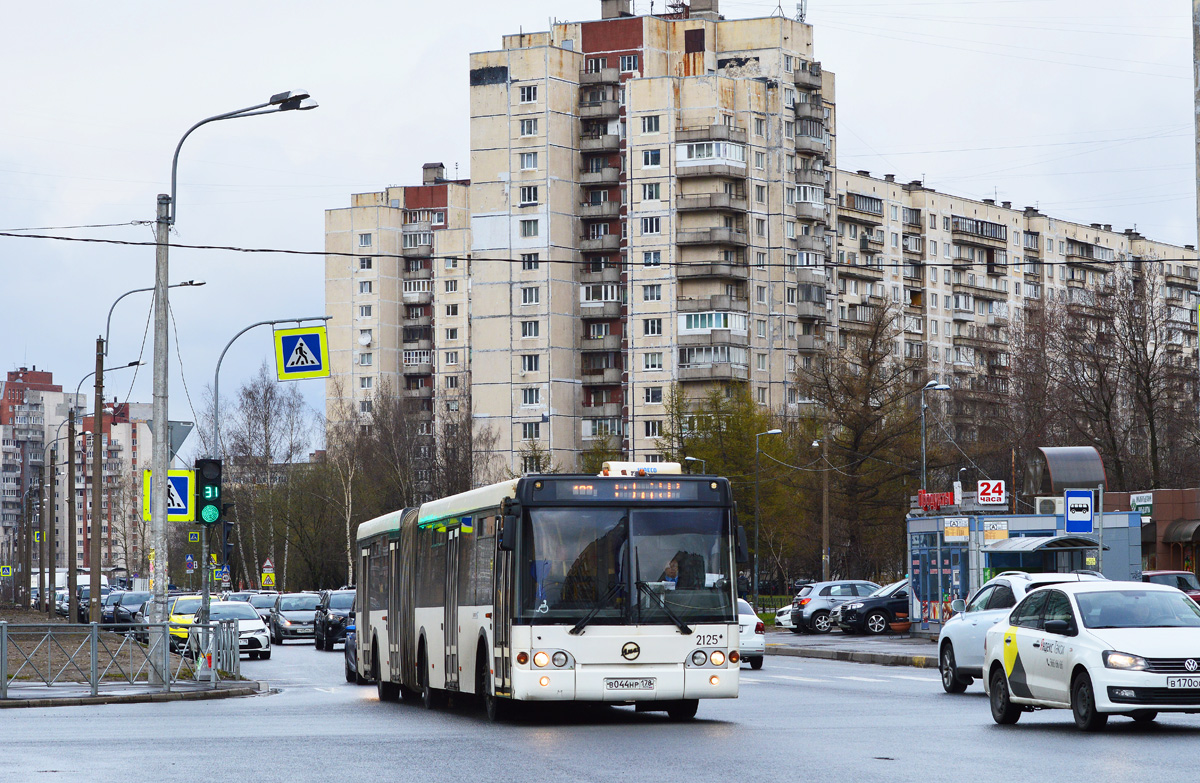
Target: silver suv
{"x":960,"y":643}
{"x":811,"y":606}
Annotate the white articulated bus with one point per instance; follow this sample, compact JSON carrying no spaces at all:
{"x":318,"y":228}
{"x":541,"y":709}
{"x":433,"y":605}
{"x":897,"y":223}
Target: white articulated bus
{"x":556,"y":588}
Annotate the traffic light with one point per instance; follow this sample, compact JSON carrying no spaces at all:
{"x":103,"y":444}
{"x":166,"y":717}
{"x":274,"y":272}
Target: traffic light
{"x":208,"y":490}
{"x":227,"y":540}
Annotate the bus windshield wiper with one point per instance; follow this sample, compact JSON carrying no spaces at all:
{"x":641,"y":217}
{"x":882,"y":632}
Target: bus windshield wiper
{"x":579,"y":626}
{"x":683,"y":627}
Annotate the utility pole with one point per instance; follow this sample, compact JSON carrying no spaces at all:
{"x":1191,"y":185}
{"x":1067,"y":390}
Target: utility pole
{"x":1196,"y":112}
{"x":825,"y":506}
{"x":27,"y":553}
{"x":72,"y":565}
{"x":42,"y":543}
{"x":97,"y":515}
{"x":160,"y":454}
{"x":51,"y":535}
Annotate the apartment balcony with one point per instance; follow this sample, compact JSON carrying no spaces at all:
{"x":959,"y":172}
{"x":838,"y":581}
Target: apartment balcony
{"x":810,"y":176}
{"x":418,"y":298}
{"x":810,"y":145}
{"x":808,"y":78}
{"x":710,"y":201}
{"x":814,"y":310}
{"x":609,"y":342}
{"x":605,"y":142}
{"x":722,"y":337}
{"x":712,"y":269}
{"x":812,"y":110}
{"x":425,"y":273}
{"x":714,"y":372}
{"x":594,"y":110}
{"x":418,"y":251}
{"x":733,"y":170}
{"x":861,"y":209}
{"x":599,"y":76}
{"x":913,"y":246}
{"x":981,"y":340}
{"x":603,"y":210}
{"x":712,"y":236}
{"x":610,"y":274}
{"x":606,"y":376}
{"x":963,"y":315}
{"x":423,"y":392}
{"x":962,"y":236}
{"x":715,"y":302}
{"x":600,"y":243}
{"x":418,"y":345}
{"x":422,"y":368}
{"x":607,"y":175}
{"x":718,"y":132}
{"x":600,"y":310}
{"x":811,"y":243}
{"x":861,"y":271}
{"x":1180,"y":275}
{"x":810,"y":342}
{"x":423,"y":320}
{"x":603,"y":410}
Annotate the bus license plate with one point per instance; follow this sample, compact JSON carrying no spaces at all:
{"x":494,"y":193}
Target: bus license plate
{"x":639,"y":684}
{"x":1183,"y":682}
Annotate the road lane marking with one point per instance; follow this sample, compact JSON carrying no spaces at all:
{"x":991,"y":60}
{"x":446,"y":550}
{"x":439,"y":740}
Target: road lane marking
{"x":793,"y":679}
{"x":914,"y":679}
{"x":860,"y":679}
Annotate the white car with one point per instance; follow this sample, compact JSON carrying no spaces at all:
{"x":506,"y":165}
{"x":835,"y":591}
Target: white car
{"x":752,"y":640}
{"x":960,"y":643}
{"x":783,"y":616}
{"x":253,"y":638}
{"x":1096,"y":648}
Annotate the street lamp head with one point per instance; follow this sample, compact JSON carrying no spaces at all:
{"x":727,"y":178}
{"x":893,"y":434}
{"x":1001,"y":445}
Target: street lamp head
{"x":773,"y":432}
{"x":692,"y":459}
{"x":816,"y":443}
{"x":298,"y":104}
{"x":931,"y":385}
{"x":135,"y":363}
{"x":941,"y":387}
{"x":290,"y":95}
{"x":191,"y":284}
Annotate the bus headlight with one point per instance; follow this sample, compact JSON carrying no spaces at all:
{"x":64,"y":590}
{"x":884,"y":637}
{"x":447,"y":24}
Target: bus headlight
{"x":541,"y":659}
{"x":522,"y":658}
{"x":560,"y":659}
{"x":544,"y":681}
{"x":699,"y":658}
{"x":717,"y":658}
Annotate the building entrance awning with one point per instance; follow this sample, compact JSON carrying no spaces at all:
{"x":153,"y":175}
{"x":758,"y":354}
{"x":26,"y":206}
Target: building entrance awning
{"x":1042,"y":544}
{"x":1182,"y":531}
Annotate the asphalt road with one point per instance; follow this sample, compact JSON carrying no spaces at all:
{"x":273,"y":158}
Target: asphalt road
{"x":797,"y":719}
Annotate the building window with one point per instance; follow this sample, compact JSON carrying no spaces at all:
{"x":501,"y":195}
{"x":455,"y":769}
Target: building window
{"x":452,"y":334}
{"x":364,"y":311}
{"x":531,"y":295}
{"x":528,"y":161}
{"x":652,"y":327}
{"x":653,"y":395}
{"x":531,"y":396}
{"x":629,"y":63}
{"x":760,"y":227}
{"x":364,"y":286}
{"x":364,"y":263}
{"x":529,"y":228}
{"x":760,"y":259}
{"x":529,"y":261}
{"x":651,"y":159}
{"x":529,"y":328}
{"x":529,"y":94}
{"x":529,"y":362}
{"x":529,"y":195}
{"x":596,"y":64}
{"x":452,"y":310}
{"x":653,"y":428}
{"x":451,"y":286}
{"x":531,"y":430}
{"x":652,"y":361}
{"x":762,"y":328}
{"x":760,"y":126}
{"x":365,"y":360}
{"x":651,"y":225}
{"x":760,"y":194}
{"x":451,"y":357}
{"x":762,"y":395}
{"x":452,"y":262}
{"x":451,"y":381}
{"x":652,"y":293}
{"x":599,"y":330}
{"x":789,"y":129}
{"x":651,"y":191}
{"x":652,"y":258}
{"x":364,"y":240}
{"x":787,"y":63}
{"x":364,"y":406}
{"x":760,"y":160}
{"x":650,"y":124}
{"x":366,"y":382}
{"x":761,"y":294}
{"x":529,"y":127}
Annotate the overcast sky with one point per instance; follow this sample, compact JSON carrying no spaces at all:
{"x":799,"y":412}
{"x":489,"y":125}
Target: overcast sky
{"x":1083,"y":107}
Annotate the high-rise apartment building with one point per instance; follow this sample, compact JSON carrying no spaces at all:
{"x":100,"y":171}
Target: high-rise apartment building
{"x":396,"y":285}
{"x":648,"y":202}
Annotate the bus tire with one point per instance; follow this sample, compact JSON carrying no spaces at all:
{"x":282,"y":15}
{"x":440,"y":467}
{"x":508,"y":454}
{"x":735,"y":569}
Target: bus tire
{"x":388,"y":691}
{"x":430,"y":696}
{"x":684,"y":709}
{"x":497,"y":708}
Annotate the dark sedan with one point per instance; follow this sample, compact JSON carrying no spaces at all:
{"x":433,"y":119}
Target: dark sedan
{"x":292,"y":616}
{"x":130,"y":607}
{"x":84,"y":601}
{"x":333,"y":614}
{"x":108,"y":605}
{"x":263,"y":603}
{"x":351,"y":656}
{"x":873,"y":613}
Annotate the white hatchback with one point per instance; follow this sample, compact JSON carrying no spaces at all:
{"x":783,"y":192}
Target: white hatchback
{"x":1098,"y":649}
{"x":752,"y":641}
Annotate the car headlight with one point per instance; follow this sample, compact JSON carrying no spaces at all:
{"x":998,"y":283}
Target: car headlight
{"x":1120,"y":660}
{"x":287,"y":622}
{"x":855,"y":605}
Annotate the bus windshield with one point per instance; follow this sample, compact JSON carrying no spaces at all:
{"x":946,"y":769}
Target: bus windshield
{"x":582,"y":560}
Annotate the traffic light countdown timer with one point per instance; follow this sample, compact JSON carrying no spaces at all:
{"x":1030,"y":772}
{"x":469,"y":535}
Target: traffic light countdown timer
{"x":208,"y":490}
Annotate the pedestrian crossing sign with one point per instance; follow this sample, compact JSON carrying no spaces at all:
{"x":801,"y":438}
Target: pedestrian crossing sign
{"x":181,"y":495}
{"x":302,"y":353}
{"x":5,"y":571}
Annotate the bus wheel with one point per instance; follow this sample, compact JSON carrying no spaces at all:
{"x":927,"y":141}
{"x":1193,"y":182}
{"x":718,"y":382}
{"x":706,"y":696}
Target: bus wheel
{"x":497,"y":708}
{"x":388,"y":691}
{"x":684,"y":709}
{"x":429,"y":694}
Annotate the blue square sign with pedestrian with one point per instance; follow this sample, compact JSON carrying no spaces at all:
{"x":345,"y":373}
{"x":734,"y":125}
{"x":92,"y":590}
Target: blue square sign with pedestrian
{"x":302,"y":353}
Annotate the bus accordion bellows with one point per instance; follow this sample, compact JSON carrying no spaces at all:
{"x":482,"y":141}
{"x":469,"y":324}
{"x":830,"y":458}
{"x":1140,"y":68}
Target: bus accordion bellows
{"x":616,"y":589}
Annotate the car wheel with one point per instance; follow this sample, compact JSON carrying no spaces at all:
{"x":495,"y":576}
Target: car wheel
{"x":1004,"y":711}
{"x":684,"y":709}
{"x":756,"y":662}
{"x":1083,"y":705}
{"x":327,"y":643}
{"x":796,"y":629}
{"x":351,"y":674}
{"x":820,"y":622}
{"x":951,"y":682}
{"x":317,"y":642}
{"x":253,"y":656}
{"x":1143,"y":716}
{"x":266,"y":656}
{"x":876,"y":623}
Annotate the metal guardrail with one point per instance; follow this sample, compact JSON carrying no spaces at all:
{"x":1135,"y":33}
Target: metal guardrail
{"x":95,"y":657}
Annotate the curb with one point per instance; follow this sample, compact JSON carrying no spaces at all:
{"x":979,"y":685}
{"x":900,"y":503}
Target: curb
{"x":252,"y":689}
{"x":857,"y":656}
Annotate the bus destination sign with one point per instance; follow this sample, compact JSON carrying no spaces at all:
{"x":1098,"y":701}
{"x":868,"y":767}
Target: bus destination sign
{"x":602,"y":489}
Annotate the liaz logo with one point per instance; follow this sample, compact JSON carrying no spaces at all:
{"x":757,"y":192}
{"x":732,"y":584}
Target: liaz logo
{"x":630,"y":651}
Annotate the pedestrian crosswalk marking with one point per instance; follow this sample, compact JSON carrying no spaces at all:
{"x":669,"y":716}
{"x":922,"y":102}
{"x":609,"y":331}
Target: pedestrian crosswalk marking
{"x":302,"y":356}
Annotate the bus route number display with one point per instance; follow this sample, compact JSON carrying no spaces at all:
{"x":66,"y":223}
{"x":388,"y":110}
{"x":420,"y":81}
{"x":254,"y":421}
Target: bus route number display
{"x":639,"y":489}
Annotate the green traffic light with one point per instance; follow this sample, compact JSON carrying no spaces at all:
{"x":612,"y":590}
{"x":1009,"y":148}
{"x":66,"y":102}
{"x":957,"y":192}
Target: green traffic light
{"x":210,"y":514}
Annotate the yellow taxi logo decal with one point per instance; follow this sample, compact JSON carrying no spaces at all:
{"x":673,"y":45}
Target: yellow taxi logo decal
{"x":1010,"y":650}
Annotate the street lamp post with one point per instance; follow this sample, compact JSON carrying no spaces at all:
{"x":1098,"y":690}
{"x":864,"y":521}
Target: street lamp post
{"x":824,"y":505}
{"x":703,"y":463}
{"x":160,"y":458}
{"x":931,"y":386}
{"x":756,"y":451}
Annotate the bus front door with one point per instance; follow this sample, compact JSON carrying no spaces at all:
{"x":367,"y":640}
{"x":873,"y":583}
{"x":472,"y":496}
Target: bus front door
{"x":450,"y":621}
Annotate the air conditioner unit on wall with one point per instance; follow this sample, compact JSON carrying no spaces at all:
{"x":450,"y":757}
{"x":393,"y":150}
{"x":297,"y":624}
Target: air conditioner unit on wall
{"x":1049,"y":505}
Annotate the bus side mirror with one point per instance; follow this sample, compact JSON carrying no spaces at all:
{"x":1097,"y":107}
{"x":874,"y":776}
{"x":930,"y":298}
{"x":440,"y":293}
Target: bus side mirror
{"x":743,"y":548}
{"x":510,"y":517}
